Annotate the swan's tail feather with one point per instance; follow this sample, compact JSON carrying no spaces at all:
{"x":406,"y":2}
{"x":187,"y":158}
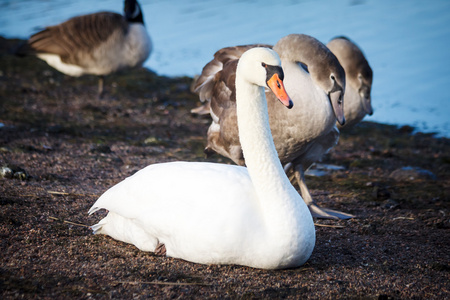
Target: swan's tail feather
{"x":93,"y":210}
{"x":98,"y":227}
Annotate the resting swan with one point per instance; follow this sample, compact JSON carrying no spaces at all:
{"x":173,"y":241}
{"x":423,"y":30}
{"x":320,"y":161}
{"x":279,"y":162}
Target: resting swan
{"x":358,"y":76}
{"x":314,"y":79}
{"x":214,"y":213}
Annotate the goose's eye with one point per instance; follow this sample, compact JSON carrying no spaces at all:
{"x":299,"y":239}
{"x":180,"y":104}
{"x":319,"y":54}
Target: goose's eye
{"x":264,"y":65}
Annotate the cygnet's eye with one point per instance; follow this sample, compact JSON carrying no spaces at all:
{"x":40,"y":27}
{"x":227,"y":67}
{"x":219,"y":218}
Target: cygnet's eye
{"x":332,"y":77}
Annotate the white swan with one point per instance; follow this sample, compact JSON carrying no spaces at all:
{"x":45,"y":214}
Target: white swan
{"x":214,"y":213}
{"x":314,"y":79}
{"x":98,"y":44}
{"x":358,"y":76}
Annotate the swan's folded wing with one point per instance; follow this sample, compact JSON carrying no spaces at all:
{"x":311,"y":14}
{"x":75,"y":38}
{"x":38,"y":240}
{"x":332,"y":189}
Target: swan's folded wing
{"x":168,"y":187}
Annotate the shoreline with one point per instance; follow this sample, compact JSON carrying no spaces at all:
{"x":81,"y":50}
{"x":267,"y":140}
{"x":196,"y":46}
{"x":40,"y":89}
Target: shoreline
{"x":64,"y":148}
{"x":7,"y":43}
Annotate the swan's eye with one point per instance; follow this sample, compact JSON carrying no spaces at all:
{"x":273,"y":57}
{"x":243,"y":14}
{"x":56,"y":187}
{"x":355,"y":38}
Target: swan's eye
{"x":332,"y":77}
{"x":264,"y":65}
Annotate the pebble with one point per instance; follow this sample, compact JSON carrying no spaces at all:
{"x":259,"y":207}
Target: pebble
{"x":6,"y":172}
{"x":101,"y":149}
{"x":412,"y":173}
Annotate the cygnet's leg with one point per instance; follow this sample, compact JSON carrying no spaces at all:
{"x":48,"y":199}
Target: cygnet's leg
{"x":316,"y":211}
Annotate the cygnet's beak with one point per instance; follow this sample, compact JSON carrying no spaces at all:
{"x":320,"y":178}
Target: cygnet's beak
{"x":337,"y":102}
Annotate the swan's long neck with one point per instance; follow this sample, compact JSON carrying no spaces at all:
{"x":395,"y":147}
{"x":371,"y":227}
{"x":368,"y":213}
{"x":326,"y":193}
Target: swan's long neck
{"x":269,"y":179}
{"x":289,"y":228}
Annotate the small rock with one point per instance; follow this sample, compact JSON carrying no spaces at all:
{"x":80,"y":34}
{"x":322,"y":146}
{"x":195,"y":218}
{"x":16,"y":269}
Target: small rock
{"x":411,"y":173}
{"x":20,"y":175}
{"x":6,"y":172}
{"x":381,"y":192}
{"x":47,"y":73}
{"x":154,"y":141}
{"x":101,"y":149}
{"x":323,"y":169}
{"x":390,"y":204}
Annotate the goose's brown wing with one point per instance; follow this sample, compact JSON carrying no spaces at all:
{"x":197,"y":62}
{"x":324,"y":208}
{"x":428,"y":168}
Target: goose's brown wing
{"x":77,"y":35}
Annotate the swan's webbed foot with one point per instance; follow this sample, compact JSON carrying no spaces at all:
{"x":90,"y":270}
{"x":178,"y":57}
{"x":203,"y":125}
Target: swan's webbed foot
{"x":160,"y":250}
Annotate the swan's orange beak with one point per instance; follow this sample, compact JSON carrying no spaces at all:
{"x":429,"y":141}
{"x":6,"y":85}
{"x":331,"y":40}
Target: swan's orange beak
{"x":277,"y":87}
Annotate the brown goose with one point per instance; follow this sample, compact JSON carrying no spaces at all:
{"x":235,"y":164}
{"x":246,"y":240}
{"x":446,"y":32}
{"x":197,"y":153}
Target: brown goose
{"x":99,"y":44}
{"x":315,"y":81}
{"x":358,"y":77}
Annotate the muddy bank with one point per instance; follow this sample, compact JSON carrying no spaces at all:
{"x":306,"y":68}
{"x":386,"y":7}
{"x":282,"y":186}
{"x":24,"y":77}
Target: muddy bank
{"x":61,"y":147}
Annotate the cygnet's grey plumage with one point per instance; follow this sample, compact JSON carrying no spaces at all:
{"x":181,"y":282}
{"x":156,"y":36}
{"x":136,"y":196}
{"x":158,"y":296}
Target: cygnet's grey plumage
{"x":315,"y":81}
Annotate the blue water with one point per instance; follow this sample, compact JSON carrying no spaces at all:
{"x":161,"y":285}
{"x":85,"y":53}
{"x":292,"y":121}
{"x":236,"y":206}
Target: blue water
{"x":407,"y":42}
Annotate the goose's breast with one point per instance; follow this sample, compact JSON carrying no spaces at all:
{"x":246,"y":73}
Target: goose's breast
{"x":122,"y":51}
{"x":139,"y":45}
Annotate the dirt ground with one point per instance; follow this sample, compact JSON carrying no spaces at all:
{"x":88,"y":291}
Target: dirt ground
{"x":61,"y":147}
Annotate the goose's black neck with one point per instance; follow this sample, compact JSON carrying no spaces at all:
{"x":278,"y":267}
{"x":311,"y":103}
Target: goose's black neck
{"x":133,"y":12}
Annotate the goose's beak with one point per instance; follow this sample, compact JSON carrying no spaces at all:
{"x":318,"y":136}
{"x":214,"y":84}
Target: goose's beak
{"x":277,"y":87}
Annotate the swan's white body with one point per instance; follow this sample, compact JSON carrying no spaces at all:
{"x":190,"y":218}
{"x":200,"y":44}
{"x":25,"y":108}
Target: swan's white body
{"x":213,"y":213}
